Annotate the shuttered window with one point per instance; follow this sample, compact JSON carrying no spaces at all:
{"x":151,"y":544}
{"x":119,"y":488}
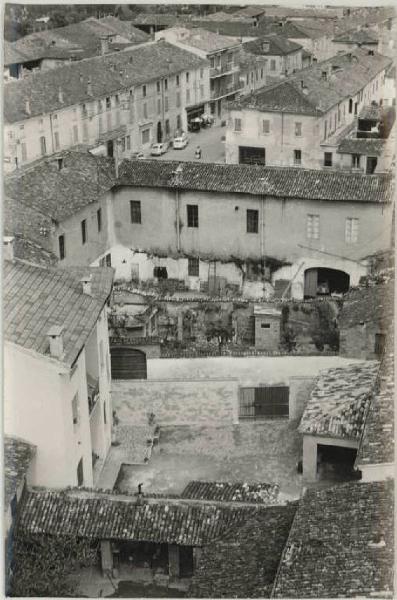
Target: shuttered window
{"x":264,"y":402}
{"x":351,"y":230}
{"x":313,"y":227}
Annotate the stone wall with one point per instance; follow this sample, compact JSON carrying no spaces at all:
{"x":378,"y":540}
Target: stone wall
{"x":359,"y":341}
{"x":176,"y":402}
{"x":300,"y":388}
{"x":267,"y":332}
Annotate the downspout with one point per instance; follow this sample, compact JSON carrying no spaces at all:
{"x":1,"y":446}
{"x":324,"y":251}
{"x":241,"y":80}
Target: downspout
{"x":178,"y":230}
{"x":262,"y":228}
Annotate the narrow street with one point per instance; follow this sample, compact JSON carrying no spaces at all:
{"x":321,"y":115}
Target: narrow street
{"x":210,"y":141}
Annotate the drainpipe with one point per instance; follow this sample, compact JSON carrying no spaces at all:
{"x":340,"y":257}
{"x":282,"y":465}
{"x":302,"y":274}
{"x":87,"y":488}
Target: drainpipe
{"x":262,"y":228}
{"x":178,"y":230}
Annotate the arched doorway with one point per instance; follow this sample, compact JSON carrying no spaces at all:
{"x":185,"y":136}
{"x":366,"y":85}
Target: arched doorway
{"x":128,"y":363}
{"x":323,"y":282}
{"x":159,"y":132}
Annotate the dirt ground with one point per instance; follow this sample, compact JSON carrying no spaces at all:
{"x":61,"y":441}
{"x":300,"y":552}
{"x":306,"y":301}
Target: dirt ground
{"x":266,"y":451}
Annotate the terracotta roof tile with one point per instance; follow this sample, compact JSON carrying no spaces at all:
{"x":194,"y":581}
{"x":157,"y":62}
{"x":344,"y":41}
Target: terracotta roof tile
{"x":258,"y":493}
{"x":258,"y":180}
{"x":339,"y":401}
{"x":36,"y":298}
{"x":341,"y":544}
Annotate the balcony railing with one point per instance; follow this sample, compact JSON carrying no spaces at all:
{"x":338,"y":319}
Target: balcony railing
{"x":226,"y":90}
{"x":223,"y":70}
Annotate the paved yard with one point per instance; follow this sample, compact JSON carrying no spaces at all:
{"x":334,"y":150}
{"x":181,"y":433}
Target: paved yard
{"x":266,"y":451}
{"x":209,"y":140}
{"x":248,"y":370}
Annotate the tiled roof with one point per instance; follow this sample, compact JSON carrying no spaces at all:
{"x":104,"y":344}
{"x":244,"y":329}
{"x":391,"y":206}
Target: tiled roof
{"x":243,"y":563}
{"x":156,"y":19}
{"x":258,"y":493}
{"x":12,"y":55}
{"x":250,"y":11}
{"x":341,"y":544}
{"x":356,"y":37}
{"x":278,"y":45}
{"x":208,"y":41}
{"x":108,"y":74}
{"x":109,"y":516}
{"x":36,"y":299}
{"x":338,"y":403}
{"x":57,"y":194}
{"x":374,"y":304}
{"x":377,"y":442}
{"x":17,"y":457}
{"x":246,"y":60}
{"x":256,"y":179}
{"x":307,"y":92}
{"x":367,"y":146}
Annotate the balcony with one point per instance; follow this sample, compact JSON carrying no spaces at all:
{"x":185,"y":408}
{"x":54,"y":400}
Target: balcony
{"x":92,"y":392}
{"x":225,"y":90}
{"x":223,"y":70}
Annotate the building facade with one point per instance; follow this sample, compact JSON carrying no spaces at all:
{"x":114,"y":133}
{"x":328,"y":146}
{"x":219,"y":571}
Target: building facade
{"x":62,"y":406}
{"x":287,"y":124}
{"x":116,"y":104}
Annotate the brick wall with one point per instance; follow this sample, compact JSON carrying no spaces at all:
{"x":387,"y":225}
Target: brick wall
{"x":176,"y":402}
{"x":300,"y":388}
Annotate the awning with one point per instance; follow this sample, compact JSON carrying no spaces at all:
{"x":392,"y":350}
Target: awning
{"x":194,"y":111}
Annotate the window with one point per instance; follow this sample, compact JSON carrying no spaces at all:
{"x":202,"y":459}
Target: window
{"x":178,"y":99}
{"x":351,"y":230}
{"x":24,"y":151}
{"x":325,"y":129}
{"x":165,"y":85}
{"x":122,"y":141}
{"x":80,"y":473}
{"x":158,"y":106}
{"x":237,"y":124}
{"x":350,"y":105}
{"x":166,"y":103}
{"x":178,"y":122}
{"x":75,"y":134}
{"x":380,"y":341}
{"x":145,"y":135}
{"x":187,"y":96}
{"x":104,"y":413}
{"x":100,"y":106}
{"x":193,"y":267}
{"x":84,"y":231}
{"x":355,"y":161}
{"x":298,"y":129}
{"x":135,"y":211}
{"x":266,"y":127}
{"x":128,"y":142}
{"x":75,"y":409}
{"x":201,"y":91}
{"x":145,"y":111}
{"x":61,"y":246}
{"x":264,"y":402}
{"x":192,"y":215}
{"x":297,"y":157}
{"x":313,"y":227}
{"x":43,"y":148}
{"x":108,"y":103}
{"x":272,"y":65}
{"x":99,"y":219}
{"x":265,"y":325}
{"x":252,"y":221}
{"x":144,"y":91}
{"x":167,"y":127}
{"x":84,"y":110}
{"x":158,"y":87}
{"x":327,"y":159}
{"x":177,"y":81}
{"x":108,"y":260}
{"x":56,"y":140}
{"x":55,"y":120}
{"x":262,"y":73}
{"x":201,"y":73}
{"x":187,"y":77}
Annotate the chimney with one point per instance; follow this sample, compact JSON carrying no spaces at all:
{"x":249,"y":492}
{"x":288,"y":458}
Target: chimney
{"x":27,"y":106}
{"x":104,"y":39}
{"x":89,"y":87}
{"x":87,"y":285}
{"x":8,"y":247}
{"x":55,"y":335}
{"x":60,"y":95}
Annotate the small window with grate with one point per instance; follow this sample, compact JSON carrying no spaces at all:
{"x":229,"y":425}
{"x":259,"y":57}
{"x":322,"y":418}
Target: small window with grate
{"x":135,"y":211}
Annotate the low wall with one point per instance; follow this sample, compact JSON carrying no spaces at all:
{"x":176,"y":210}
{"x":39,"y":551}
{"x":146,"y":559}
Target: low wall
{"x":176,"y":402}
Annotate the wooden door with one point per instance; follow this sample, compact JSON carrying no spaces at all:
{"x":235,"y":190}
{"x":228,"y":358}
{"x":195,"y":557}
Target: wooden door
{"x":311,"y":282}
{"x":128,"y":363}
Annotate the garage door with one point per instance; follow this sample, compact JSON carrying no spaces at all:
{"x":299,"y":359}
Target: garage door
{"x":128,"y":363}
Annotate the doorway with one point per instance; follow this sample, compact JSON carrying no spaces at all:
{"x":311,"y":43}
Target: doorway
{"x":159,"y":132}
{"x":323,"y":282}
{"x":110,"y":148}
{"x":336,"y":463}
{"x":128,"y":363}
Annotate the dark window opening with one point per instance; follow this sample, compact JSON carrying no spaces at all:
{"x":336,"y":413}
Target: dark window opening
{"x":336,"y":463}
{"x":62,"y":249}
{"x":265,"y":325}
{"x":99,"y":219}
{"x":380,"y":341}
{"x":84,"y":231}
{"x":297,"y":157}
{"x":193,"y":267}
{"x":104,"y":413}
{"x":252,"y":221}
{"x":80,"y":473}
{"x":264,"y":402}
{"x":135,"y":211}
{"x":249,"y":155}
{"x":327,"y":159}
{"x":192,"y":215}
{"x":350,"y":105}
{"x":108,"y":259}
{"x":160,"y":272}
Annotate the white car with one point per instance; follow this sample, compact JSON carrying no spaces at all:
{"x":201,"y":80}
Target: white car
{"x":181,"y":141}
{"x":159,"y":149}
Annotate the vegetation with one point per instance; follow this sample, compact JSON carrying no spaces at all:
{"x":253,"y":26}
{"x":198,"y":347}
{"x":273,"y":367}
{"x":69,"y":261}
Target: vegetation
{"x":43,"y":566}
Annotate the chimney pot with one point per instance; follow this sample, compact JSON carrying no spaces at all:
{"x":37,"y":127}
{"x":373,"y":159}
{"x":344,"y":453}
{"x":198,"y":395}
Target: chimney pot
{"x":8,"y":247}
{"x":87,"y":284}
{"x":55,"y":335}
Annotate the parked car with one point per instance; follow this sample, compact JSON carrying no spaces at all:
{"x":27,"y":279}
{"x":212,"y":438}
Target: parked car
{"x":181,"y":141}
{"x":159,"y":149}
{"x":137,"y":155}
